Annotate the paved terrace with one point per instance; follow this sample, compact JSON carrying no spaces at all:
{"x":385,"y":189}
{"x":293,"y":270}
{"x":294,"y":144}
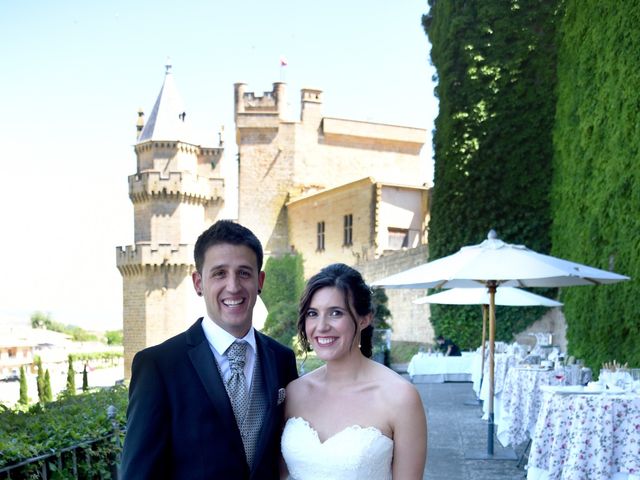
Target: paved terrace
{"x":456,"y":429}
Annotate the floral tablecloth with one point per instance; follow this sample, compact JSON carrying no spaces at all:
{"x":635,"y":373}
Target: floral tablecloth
{"x":503,"y":362}
{"x":521,"y":401}
{"x":586,"y":437}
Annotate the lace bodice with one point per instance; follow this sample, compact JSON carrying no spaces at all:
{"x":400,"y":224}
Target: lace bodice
{"x":351,"y":454}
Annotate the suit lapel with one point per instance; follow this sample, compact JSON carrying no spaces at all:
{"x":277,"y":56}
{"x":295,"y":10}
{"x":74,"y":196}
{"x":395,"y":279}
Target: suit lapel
{"x":205,"y":366}
{"x":270,"y":375}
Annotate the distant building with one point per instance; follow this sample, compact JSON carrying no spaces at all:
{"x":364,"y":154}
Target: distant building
{"x":20,"y":345}
{"x":331,"y":189}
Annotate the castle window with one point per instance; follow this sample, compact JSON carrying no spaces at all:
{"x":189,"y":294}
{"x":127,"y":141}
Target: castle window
{"x":320,"y":237}
{"x":398,"y":238}
{"x":348,"y":230}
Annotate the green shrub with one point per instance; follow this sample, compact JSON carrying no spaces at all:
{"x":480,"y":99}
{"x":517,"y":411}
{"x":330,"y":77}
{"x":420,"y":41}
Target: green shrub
{"x":61,"y":424}
{"x":284,"y":282}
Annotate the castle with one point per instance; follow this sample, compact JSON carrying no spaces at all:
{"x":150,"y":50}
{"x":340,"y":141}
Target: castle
{"x":334,"y":190}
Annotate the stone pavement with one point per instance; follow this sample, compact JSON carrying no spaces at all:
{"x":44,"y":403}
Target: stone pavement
{"x":454,"y":429}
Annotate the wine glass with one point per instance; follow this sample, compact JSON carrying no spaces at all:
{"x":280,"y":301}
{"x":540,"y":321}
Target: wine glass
{"x":558,"y":374}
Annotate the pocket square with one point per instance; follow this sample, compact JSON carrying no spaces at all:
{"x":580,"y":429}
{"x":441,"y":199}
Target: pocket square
{"x":281,"y":394}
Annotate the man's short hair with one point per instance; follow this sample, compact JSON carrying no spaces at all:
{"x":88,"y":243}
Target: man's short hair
{"x":226,"y":231}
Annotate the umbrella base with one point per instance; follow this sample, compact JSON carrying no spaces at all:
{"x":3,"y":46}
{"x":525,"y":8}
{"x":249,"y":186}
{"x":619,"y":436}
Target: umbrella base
{"x":506,"y":454}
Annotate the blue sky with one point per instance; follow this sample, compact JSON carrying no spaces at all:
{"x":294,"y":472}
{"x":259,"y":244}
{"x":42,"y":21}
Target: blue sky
{"x":74,"y":73}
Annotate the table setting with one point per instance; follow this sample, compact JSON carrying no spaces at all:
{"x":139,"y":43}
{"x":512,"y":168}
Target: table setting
{"x":589,"y":431}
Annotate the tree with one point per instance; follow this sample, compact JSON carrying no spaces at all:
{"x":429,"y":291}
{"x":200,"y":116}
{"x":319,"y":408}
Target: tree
{"x":47,"y":394}
{"x":281,"y":293}
{"x":71,"y":378}
{"x":40,"y":320}
{"x":24,"y":398}
{"x":40,"y":379}
{"x":85,"y":379}
{"x":114,"y":337}
{"x":381,"y":311}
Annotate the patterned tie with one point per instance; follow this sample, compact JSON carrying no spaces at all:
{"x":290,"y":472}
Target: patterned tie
{"x":237,"y":383}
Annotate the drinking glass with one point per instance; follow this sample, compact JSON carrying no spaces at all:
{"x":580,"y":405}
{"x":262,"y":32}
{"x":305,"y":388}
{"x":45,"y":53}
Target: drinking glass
{"x":559,"y":375}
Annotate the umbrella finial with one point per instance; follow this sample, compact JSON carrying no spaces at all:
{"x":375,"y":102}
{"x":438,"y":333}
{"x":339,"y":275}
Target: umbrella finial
{"x":492,"y":235}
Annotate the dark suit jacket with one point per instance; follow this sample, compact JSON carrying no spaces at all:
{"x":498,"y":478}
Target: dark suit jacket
{"x":180,"y":423}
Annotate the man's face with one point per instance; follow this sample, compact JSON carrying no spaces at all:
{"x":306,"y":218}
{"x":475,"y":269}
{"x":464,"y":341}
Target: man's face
{"x":229,"y":284}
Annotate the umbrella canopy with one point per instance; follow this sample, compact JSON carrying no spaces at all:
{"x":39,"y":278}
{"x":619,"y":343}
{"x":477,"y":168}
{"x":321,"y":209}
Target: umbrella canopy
{"x":506,"y":264}
{"x":492,"y":264}
{"x":506,"y":296}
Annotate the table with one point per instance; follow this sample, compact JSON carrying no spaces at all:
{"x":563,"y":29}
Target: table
{"x":503,"y":362}
{"x":433,"y":368}
{"x":521,"y":400}
{"x":586,"y":436}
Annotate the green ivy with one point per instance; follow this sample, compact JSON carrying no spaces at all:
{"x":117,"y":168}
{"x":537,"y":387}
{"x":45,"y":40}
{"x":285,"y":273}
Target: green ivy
{"x":596,"y":186}
{"x":495,"y":64}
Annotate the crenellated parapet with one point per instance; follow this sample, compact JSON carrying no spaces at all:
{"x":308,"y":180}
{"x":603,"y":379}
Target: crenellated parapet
{"x":214,"y":152}
{"x":146,"y":185}
{"x":268,"y":103}
{"x":144,"y":257}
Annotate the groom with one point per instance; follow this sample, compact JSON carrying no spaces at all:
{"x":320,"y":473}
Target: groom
{"x":208,"y":403}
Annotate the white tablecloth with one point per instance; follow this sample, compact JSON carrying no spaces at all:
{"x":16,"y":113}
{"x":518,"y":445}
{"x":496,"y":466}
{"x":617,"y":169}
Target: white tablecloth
{"x":521,"y":401}
{"x":431,"y":368}
{"x":580,"y":437}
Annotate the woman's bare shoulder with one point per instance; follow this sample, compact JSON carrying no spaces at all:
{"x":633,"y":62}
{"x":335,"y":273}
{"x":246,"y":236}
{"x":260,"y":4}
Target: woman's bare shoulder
{"x":300,"y":392}
{"x":396,"y":389}
{"x":303,"y":384}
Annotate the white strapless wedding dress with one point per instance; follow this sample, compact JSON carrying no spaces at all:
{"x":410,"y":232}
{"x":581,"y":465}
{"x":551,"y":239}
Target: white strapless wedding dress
{"x":352,"y":454}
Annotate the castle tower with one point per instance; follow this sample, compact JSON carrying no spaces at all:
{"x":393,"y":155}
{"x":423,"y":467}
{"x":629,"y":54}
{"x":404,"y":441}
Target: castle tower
{"x":266,"y":143}
{"x":177,"y":191}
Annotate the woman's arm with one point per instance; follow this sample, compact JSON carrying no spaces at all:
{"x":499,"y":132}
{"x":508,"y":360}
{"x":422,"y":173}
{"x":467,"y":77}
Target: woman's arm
{"x":409,"y":435}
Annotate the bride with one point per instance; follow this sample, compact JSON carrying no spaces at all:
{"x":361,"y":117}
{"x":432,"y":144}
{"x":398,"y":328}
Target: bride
{"x":352,"y":418}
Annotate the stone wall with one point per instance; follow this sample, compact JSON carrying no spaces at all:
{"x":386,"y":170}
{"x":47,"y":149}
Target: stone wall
{"x":331,"y":207}
{"x":156,"y":300}
{"x":410,"y":322}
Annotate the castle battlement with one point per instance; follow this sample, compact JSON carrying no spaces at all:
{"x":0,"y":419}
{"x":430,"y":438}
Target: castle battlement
{"x":150,"y":184}
{"x":133,"y":258}
{"x":178,"y":146}
{"x":267,"y":103}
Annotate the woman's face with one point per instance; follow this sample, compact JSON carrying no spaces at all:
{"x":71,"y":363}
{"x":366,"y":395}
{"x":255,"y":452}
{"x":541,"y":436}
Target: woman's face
{"x":329,"y":325}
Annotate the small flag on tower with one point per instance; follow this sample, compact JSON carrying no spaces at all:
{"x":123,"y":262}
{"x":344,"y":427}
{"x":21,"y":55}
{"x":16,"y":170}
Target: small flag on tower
{"x":283,"y":62}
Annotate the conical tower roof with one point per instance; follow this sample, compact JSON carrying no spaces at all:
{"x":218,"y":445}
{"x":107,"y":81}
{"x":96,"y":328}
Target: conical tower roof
{"x":169,"y":119}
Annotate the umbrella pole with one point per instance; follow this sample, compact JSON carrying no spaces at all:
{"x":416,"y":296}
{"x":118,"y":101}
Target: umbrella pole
{"x":491,"y":285}
{"x":505,"y":454}
{"x":484,"y":340}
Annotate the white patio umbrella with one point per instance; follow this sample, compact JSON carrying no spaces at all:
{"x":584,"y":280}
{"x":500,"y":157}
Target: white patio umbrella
{"x":492,"y":264}
{"x":505,"y":296}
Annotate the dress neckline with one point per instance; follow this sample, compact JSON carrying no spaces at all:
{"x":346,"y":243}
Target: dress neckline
{"x":372,"y":429}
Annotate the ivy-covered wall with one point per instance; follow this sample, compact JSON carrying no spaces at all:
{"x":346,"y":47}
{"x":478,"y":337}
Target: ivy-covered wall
{"x":495,"y":63}
{"x":596,"y":185}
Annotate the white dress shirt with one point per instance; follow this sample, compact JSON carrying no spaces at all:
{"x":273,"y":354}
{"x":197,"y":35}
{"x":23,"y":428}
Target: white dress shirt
{"x":220,"y":340}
